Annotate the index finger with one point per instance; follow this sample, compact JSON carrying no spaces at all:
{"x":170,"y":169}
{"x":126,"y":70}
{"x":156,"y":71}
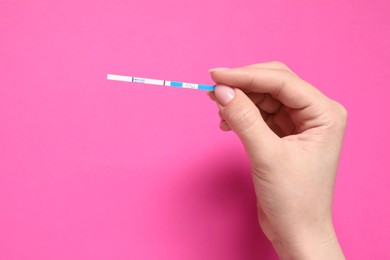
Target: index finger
{"x":283,"y":85}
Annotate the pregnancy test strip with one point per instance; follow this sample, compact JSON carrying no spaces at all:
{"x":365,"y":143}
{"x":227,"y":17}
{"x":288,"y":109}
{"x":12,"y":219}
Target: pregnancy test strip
{"x":160,"y":82}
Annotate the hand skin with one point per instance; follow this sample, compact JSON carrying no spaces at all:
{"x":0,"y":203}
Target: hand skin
{"x":292,"y":134}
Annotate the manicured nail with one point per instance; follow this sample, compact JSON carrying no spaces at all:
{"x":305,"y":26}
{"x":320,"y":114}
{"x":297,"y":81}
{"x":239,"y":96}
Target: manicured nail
{"x":218,"y":69}
{"x":224,"y":94}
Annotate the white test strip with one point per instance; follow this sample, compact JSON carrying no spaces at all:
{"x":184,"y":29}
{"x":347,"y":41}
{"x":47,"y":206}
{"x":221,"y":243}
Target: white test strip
{"x":120,"y":78}
{"x":158,"y":82}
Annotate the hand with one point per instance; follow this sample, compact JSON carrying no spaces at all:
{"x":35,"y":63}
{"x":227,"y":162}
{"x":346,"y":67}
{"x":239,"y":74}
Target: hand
{"x":292,"y":134}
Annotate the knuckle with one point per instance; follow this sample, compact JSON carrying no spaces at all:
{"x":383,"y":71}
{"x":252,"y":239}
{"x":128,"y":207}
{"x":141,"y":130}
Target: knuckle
{"x":341,"y":110}
{"x":281,"y":65}
{"x":340,"y":115}
{"x":285,"y":76}
{"x":251,"y":80}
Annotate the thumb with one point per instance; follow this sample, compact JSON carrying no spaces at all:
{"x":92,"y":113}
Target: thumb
{"x":244,"y":118}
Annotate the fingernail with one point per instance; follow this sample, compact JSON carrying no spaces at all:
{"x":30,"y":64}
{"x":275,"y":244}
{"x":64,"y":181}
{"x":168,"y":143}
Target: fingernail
{"x":218,"y":69}
{"x":224,"y":94}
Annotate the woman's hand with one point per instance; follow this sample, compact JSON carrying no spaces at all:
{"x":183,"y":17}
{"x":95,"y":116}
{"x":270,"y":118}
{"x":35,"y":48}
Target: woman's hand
{"x":292,"y":134}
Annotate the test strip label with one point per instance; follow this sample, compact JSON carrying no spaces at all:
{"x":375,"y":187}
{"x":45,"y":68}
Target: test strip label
{"x":190,"y":85}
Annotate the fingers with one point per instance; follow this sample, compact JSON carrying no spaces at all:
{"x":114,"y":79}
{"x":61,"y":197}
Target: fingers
{"x":281,"y":84}
{"x":222,"y":124}
{"x":271,"y":65}
{"x":242,"y":116}
{"x":281,"y":123}
{"x":268,"y":108}
{"x":265,"y":102}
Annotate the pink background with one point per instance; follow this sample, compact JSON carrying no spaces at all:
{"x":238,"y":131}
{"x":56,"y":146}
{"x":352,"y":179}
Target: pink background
{"x":96,"y":169}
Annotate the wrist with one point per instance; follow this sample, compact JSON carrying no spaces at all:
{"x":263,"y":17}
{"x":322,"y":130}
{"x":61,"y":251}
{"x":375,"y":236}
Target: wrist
{"x":310,"y":244}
